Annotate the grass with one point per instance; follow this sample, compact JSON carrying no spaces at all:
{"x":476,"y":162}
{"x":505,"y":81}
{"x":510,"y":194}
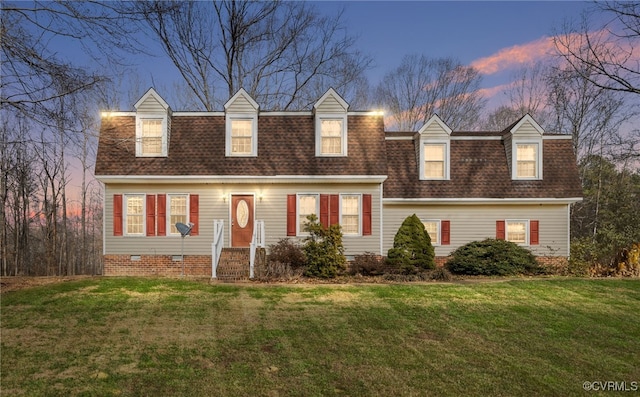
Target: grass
{"x":148,"y":337}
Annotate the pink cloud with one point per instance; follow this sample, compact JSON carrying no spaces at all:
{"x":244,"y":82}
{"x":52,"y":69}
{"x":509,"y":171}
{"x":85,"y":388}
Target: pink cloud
{"x":515,"y":56}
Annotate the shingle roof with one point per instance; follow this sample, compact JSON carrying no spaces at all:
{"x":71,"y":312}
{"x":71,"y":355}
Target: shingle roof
{"x":286,"y":146}
{"x":479,"y":169}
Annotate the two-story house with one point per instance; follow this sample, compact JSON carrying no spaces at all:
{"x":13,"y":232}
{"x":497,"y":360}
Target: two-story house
{"x":243,"y":175}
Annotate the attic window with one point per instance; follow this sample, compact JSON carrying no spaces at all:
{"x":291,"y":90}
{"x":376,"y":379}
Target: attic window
{"x":332,"y":137}
{"x":435,"y":161}
{"x":151,"y":137}
{"x":526,"y":160}
{"x":241,"y":134}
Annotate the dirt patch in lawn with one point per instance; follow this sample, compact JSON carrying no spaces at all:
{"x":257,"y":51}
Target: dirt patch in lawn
{"x":17,"y":283}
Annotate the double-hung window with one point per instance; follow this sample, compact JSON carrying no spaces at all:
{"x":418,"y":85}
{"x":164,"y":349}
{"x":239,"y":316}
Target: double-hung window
{"x":134,"y":215}
{"x":242,"y":137}
{"x":307,"y":205}
{"x":151,"y":137}
{"x":350,"y":214}
{"x":331,"y":136}
{"x":433,"y":228}
{"x":178,"y":211}
{"x":435,"y":160}
{"x":517,"y":231}
{"x":527,"y":160}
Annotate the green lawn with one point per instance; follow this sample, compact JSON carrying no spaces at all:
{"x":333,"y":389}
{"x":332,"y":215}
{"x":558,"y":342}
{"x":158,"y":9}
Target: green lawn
{"x":169,"y":337}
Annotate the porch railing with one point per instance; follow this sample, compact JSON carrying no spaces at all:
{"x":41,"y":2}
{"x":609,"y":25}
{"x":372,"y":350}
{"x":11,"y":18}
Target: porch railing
{"x":257,"y":240}
{"x":216,"y":246}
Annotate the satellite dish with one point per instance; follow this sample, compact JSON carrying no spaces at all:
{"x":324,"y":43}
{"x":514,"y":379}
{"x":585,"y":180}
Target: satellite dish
{"x":184,"y":229}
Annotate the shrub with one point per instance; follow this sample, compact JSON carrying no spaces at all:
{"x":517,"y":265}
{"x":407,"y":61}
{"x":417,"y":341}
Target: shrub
{"x":287,"y":251}
{"x":367,"y":264}
{"x":441,"y":274}
{"x":493,"y":257}
{"x":273,"y":271}
{"x":323,"y":249}
{"x":412,"y":250}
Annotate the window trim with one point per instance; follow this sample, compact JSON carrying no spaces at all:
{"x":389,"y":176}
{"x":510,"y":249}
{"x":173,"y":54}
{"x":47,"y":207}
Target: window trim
{"x":125,"y":214}
{"x":167,"y":210}
{"x":300,"y":232}
{"x":140,"y":118}
{"x":526,"y":230}
{"x":514,"y":160}
{"x":343,"y":134}
{"x":447,"y":157}
{"x":439,"y":227}
{"x":229,"y":118}
{"x":340,"y":214}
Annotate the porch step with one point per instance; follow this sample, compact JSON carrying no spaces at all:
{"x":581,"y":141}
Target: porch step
{"x":233,"y":265}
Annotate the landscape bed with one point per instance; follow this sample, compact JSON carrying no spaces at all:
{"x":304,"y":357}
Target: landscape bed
{"x":147,"y":336}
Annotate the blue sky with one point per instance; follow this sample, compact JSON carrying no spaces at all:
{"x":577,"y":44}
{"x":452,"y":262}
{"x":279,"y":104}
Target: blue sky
{"x":474,"y":32}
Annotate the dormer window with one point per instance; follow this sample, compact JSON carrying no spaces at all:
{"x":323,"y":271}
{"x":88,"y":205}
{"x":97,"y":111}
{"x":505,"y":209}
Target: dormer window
{"x":525,"y":145}
{"x":433,"y":147}
{"x":331,"y":125}
{"x":241,"y":137}
{"x":527,"y":160}
{"x":151,"y":140}
{"x":152,"y":125}
{"x":332,"y":136}
{"x":435,"y":160}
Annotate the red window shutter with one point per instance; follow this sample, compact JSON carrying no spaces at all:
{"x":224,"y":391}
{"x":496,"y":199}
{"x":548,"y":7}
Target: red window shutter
{"x":324,"y":210}
{"x":194,"y":213}
{"x":117,"y":215}
{"x":334,"y":209}
{"x":151,"y":215}
{"x":500,"y":232}
{"x":445,"y":238}
{"x":366,"y":215}
{"x":534,"y":232}
{"x":162,"y":215}
{"x":291,"y":215}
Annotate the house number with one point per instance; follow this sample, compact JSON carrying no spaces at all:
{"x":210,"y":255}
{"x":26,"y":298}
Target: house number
{"x":242,"y":214}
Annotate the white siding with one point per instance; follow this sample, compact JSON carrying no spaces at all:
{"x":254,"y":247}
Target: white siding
{"x":477,"y":222}
{"x":272,"y":209}
{"x":527,"y":130}
{"x":241,"y":105}
{"x":434,"y":130}
{"x":330,"y":105}
{"x":508,"y":149}
{"x":151,"y":105}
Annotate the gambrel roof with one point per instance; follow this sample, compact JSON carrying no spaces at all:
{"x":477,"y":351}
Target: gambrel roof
{"x":286,"y":146}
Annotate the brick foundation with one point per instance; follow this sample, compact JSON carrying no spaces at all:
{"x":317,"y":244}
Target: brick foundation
{"x":156,"y":265}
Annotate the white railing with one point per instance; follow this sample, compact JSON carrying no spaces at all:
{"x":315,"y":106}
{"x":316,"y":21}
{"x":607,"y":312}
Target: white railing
{"x":216,"y":246}
{"x":257,"y":240}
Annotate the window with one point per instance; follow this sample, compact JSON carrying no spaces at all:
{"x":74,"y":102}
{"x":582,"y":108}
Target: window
{"x":241,"y":137}
{"x":151,"y":139}
{"x":527,"y":160}
{"x":331,"y":136}
{"x":178,"y":211}
{"x":350,"y":219}
{"x":307,"y":205}
{"x":435,"y":161}
{"x":134,"y":215}
{"x":517,"y":232}
{"x":433,"y":228}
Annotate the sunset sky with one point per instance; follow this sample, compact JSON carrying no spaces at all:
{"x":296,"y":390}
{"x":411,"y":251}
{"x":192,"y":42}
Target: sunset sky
{"x":496,"y":37}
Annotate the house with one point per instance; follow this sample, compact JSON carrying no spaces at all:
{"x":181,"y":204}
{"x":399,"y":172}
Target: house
{"x":246,"y":178}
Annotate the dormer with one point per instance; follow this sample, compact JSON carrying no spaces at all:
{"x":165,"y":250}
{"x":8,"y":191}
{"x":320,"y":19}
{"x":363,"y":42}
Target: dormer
{"x":433,"y":150}
{"x":331,"y":125}
{"x":153,"y":125}
{"x":241,"y":125}
{"x":523,"y":144}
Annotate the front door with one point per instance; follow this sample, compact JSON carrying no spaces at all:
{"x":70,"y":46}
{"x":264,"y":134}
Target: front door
{"x":241,"y":220}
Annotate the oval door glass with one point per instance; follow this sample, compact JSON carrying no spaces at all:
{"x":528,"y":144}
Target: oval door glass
{"x":242,"y":214}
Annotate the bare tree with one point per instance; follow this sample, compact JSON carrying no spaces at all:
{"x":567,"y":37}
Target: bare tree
{"x":284,"y":54}
{"x":421,"y":87}
{"x":608,"y":57}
